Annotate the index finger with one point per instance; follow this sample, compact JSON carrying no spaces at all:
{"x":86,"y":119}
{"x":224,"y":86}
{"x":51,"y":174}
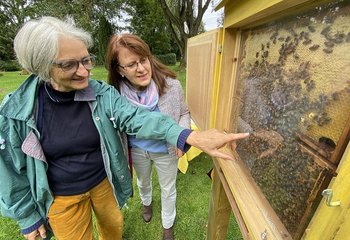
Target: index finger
{"x":237,"y":136}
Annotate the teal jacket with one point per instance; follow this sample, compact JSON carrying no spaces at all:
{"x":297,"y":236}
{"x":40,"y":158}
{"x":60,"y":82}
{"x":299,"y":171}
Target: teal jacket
{"x":25,"y":194}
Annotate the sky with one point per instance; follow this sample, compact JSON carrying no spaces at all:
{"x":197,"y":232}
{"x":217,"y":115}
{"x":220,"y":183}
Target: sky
{"x":210,"y":16}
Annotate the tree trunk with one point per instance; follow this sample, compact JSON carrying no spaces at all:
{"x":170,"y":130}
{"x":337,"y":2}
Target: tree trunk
{"x":182,"y":22}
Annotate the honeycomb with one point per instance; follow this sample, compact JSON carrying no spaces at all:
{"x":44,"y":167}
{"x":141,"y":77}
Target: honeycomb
{"x":294,"y":78}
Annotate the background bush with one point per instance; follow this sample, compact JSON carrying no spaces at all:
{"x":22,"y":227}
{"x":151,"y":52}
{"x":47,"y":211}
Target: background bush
{"x":167,"y":59}
{"x":9,"y":66}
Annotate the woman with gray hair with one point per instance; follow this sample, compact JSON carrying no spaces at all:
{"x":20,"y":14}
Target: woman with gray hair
{"x":61,"y":155}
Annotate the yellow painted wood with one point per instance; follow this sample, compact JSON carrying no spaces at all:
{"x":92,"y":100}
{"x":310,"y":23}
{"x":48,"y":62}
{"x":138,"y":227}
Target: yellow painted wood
{"x":216,"y":77}
{"x":239,"y":13}
{"x":224,"y":112}
{"x":344,"y":231}
{"x":334,"y":222}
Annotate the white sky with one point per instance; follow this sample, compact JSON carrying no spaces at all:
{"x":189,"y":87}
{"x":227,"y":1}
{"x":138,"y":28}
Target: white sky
{"x":210,"y":16}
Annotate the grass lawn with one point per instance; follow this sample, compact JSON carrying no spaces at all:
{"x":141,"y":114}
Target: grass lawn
{"x":193,"y":191}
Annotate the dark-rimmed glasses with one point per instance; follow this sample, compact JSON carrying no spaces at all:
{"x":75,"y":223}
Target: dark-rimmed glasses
{"x":134,"y":65}
{"x":72,"y":65}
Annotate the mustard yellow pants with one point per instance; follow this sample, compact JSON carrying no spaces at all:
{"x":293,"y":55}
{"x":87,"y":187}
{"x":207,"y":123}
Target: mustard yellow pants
{"x":70,"y":217}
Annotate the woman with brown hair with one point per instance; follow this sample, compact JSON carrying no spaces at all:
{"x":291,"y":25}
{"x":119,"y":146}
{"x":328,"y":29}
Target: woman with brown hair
{"x":148,"y":83}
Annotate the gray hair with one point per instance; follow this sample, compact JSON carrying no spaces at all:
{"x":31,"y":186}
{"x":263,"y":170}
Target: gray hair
{"x":36,"y":43}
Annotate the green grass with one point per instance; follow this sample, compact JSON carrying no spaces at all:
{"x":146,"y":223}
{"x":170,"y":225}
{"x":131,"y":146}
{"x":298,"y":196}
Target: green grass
{"x":9,"y":81}
{"x":193,"y":191}
{"x":181,"y":75}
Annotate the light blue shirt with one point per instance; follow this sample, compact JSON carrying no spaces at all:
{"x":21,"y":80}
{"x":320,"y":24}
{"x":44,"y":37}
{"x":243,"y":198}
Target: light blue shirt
{"x":150,"y":145}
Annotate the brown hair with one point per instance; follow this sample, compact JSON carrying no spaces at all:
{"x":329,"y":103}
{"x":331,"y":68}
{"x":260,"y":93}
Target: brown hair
{"x":136,"y":45}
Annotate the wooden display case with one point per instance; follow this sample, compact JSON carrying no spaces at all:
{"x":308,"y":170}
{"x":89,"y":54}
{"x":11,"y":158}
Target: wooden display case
{"x":282,"y":75}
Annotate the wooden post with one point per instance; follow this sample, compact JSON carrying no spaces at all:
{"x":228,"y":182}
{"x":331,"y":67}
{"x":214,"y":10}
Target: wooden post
{"x":219,"y":210}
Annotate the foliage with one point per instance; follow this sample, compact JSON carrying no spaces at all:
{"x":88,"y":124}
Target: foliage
{"x":10,"y":65}
{"x":85,"y":13}
{"x":12,"y":15}
{"x":184,"y":19}
{"x":167,"y":59}
{"x":104,"y":32}
{"x":148,"y":23}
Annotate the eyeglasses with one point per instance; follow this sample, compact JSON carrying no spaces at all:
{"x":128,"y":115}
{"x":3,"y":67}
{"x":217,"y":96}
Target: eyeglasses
{"x":134,"y":65}
{"x":71,"y":65}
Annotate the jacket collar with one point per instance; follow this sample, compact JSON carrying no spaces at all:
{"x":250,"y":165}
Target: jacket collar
{"x":20,"y":103}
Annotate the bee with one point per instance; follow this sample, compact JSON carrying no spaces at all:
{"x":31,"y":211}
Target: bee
{"x":314,"y":47}
{"x":266,"y":54}
{"x":335,"y":96}
{"x":326,"y":30}
{"x":329,"y":44}
{"x":338,"y":38}
{"x":307,"y":41}
{"x":328,"y":50}
{"x":348,"y":37}
{"x":311,"y":28}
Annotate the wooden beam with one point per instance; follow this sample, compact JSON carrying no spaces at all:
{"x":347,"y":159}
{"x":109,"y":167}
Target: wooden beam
{"x":219,"y":211}
{"x":237,"y":213}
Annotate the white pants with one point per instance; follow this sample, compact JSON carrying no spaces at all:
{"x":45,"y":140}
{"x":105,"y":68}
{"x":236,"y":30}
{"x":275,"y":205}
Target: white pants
{"x":166,"y":166}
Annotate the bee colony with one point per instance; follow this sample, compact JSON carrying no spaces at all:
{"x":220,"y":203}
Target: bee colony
{"x":295,"y":98}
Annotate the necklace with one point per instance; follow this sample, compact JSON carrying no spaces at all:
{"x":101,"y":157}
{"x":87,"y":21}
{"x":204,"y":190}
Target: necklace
{"x":53,"y":99}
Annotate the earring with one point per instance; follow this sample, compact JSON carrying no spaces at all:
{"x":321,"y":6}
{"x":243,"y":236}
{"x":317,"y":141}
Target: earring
{"x":122,"y":76}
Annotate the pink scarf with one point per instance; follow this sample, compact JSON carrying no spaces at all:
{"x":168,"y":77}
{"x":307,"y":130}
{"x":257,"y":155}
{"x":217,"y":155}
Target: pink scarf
{"x":147,"y":98}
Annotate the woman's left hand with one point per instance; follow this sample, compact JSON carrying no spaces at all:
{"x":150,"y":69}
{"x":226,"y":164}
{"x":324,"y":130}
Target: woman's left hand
{"x":179,"y":153}
{"x":210,"y":141}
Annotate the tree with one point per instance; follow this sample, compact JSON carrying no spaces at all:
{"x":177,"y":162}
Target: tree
{"x":104,"y":33}
{"x":184,"y":19}
{"x":86,"y":14}
{"x":12,"y":15}
{"x":148,"y":23}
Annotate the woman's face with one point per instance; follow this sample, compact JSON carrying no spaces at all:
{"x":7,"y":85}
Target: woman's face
{"x":65,"y":76}
{"x":135,"y":68}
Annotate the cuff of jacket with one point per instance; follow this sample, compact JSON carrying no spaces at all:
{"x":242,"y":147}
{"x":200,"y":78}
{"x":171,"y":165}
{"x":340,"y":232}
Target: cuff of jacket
{"x":181,"y":141}
{"x":33,"y":227}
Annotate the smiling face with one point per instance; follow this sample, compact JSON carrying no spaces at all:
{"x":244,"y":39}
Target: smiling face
{"x":70,"y":49}
{"x":139,"y":77}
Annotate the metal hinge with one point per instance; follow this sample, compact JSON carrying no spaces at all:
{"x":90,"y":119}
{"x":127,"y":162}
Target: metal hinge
{"x":220,"y":49}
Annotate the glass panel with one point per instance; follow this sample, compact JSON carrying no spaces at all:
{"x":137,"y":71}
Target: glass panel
{"x":295,"y":95}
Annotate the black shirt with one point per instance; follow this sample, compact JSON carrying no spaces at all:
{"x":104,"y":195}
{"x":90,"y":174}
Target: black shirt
{"x":70,"y":141}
